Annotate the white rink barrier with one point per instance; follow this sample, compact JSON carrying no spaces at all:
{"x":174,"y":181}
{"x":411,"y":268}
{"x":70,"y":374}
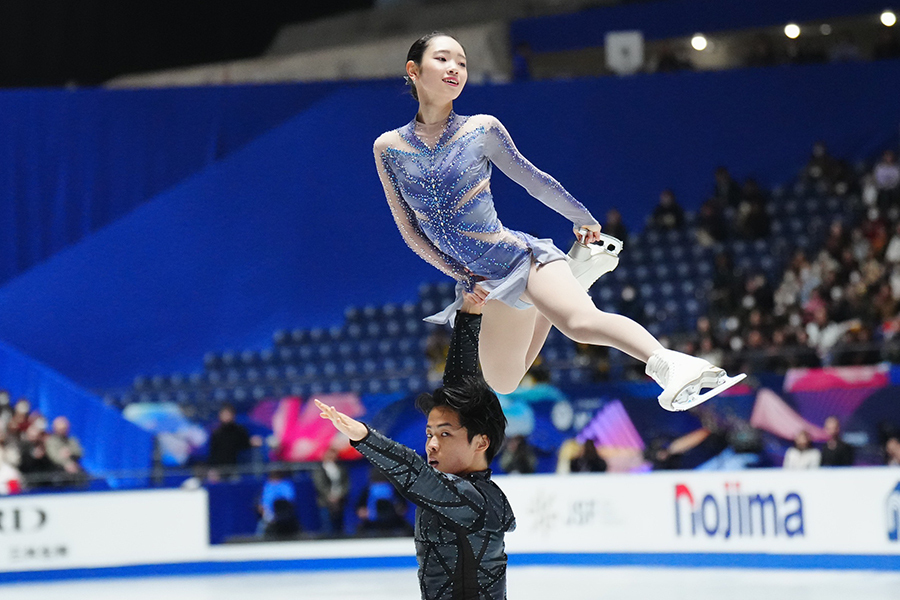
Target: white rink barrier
{"x":828,"y":518}
{"x":102,"y":529}
{"x":824,"y":511}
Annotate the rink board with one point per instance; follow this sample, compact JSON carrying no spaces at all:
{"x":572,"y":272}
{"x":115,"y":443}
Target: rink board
{"x":825,"y":519}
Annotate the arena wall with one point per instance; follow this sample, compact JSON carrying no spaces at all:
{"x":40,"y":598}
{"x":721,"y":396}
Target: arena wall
{"x":823,"y":519}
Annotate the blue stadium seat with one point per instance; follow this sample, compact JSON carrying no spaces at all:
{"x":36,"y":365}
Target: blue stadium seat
{"x":286,"y":355}
{"x":211,"y":360}
{"x":249,"y":357}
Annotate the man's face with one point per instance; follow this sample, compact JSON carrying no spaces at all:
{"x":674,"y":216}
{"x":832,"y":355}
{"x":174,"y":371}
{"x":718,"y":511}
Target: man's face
{"x":832,"y":427}
{"x":447,"y":444}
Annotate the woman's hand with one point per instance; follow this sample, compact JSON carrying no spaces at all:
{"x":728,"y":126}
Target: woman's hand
{"x":474,"y":301}
{"x":587,"y":234}
{"x":352,"y":428}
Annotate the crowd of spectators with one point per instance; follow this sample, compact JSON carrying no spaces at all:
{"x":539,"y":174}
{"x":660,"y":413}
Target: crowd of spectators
{"x":835,"y":303}
{"x":31,"y":456}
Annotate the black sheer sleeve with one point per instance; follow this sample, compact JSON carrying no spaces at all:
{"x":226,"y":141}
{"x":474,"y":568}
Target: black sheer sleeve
{"x":462,"y":358}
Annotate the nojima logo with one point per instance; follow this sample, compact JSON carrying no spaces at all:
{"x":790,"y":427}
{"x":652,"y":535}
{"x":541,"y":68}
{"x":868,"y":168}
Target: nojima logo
{"x":893,"y":514}
{"x":733,"y":513}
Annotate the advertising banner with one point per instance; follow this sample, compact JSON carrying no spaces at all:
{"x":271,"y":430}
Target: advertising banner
{"x":826,"y":511}
{"x":65,"y":531}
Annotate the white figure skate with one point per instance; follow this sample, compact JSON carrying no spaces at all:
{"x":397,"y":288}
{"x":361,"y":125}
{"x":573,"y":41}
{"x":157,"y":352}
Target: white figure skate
{"x":589,"y":261}
{"x":682,"y":378}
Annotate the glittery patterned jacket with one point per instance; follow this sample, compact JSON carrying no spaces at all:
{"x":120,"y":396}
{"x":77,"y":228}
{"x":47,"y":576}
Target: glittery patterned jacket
{"x":437,"y":182}
{"x":460,"y":521}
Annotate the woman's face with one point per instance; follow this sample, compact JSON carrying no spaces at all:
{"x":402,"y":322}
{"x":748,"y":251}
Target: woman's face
{"x":442,"y":74}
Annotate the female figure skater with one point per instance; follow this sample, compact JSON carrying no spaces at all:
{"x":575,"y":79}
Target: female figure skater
{"x":436,"y":175}
{"x":461,"y":515}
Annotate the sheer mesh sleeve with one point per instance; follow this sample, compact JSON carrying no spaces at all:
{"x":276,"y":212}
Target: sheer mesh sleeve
{"x":452,"y":497}
{"x":462,"y":357}
{"x":501,"y":151}
{"x":409,"y":227}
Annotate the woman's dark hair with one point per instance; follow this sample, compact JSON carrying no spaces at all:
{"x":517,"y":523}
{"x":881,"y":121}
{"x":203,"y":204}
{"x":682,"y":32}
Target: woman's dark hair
{"x":417,"y":51}
{"x":478,"y":408}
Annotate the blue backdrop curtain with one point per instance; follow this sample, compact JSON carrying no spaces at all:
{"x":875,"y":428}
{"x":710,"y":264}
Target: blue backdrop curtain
{"x":74,"y":161}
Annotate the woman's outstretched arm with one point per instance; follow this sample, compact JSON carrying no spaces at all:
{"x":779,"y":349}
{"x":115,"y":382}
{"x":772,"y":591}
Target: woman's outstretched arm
{"x":500,"y":150}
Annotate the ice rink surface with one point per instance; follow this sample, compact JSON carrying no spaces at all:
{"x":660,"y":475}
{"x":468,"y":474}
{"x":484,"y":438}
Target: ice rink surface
{"x":525,"y":583}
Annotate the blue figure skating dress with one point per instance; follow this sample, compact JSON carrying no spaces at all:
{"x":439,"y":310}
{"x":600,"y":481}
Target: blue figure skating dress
{"x":437,"y":182}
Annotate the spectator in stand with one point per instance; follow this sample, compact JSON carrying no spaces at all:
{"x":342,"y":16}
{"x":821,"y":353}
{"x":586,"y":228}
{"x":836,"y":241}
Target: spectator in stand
{"x":668,"y":214}
{"x":332,"y":485}
{"x":662,"y":458}
{"x":886,"y":176}
{"x":875,"y":230}
{"x":708,"y":350}
{"x":35,"y":465}
{"x":838,"y":238}
{"x":802,"y":354}
{"x":588,"y":461}
{"x":836,"y":452}
{"x":822,"y":167}
{"x":725,"y":293}
{"x":22,"y":417}
{"x":6,"y":411}
{"x":518,"y":456}
{"x":777,"y":353}
{"x":380,"y":509}
{"x":64,"y":449}
{"x":802,"y":455}
{"x":891,"y":452}
{"x":276,"y":506}
{"x":614,"y":225}
{"x":892,"y":253}
{"x":227,"y":442}
{"x":10,"y":478}
{"x":753,"y":221}
{"x":726,"y":190}
{"x":712,"y":226}
{"x":436,"y":346}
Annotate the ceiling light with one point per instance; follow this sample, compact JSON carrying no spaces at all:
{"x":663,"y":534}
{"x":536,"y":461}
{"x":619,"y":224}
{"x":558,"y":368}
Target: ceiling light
{"x":792,"y":30}
{"x":698,"y":42}
{"x":888,"y":18}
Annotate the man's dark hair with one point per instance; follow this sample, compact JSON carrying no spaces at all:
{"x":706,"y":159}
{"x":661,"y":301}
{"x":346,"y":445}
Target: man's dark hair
{"x":417,"y":51}
{"x":478,"y":408}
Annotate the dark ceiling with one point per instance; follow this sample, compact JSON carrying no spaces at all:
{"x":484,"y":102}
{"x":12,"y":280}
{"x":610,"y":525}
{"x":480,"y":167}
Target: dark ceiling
{"x":86,"y":42}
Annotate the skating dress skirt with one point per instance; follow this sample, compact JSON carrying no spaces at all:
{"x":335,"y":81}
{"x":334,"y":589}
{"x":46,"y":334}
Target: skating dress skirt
{"x":437,"y":182}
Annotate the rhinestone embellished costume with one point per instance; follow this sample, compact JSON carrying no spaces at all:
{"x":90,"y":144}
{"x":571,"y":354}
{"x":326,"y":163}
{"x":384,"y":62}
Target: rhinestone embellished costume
{"x":437,"y":182}
{"x":460,"y":521}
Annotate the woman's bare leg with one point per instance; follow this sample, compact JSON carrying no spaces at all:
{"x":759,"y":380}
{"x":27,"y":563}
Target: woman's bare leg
{"x":555,"y":293}
{"x":510,"y":341}
{"x":512,"y":338}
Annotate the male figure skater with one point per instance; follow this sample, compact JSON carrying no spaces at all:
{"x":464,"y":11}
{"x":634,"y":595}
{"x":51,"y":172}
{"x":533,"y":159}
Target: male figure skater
{"x":461,"y":515}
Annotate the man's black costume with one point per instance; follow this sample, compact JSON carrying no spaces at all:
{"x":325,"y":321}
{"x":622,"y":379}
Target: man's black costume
{"x":460,"y":521}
